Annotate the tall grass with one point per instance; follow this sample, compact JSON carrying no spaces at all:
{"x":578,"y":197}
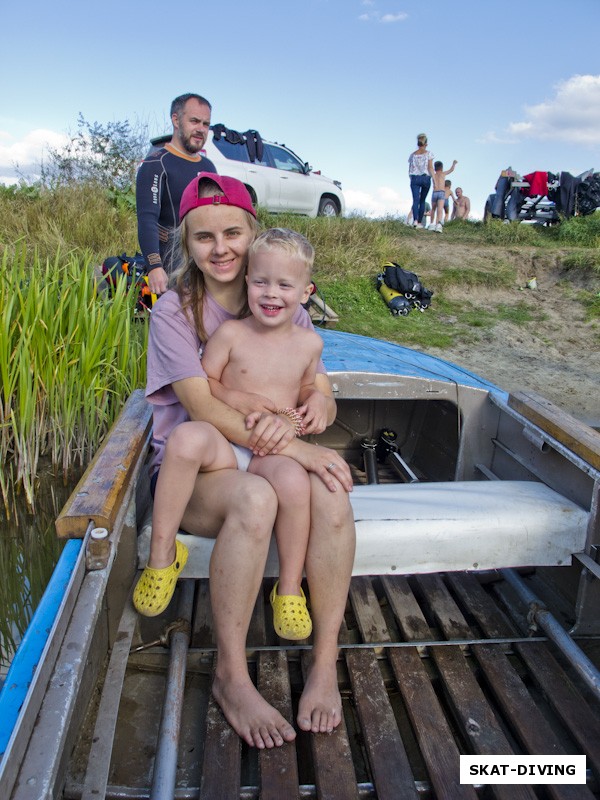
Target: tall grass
{"x":83,"y":217}
{"x":68,"y":359}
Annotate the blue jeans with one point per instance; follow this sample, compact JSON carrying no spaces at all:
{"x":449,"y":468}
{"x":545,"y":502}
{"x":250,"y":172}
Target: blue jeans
{"x":511,"y":209}
{"x":419,"y":186}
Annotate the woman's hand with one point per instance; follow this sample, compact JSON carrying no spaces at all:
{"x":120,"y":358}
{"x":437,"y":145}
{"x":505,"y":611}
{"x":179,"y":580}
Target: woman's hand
{"x":324,"y":462}
{"x":270,"y":432}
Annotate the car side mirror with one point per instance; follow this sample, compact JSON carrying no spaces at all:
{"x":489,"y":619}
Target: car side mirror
{"x":307,"y":168}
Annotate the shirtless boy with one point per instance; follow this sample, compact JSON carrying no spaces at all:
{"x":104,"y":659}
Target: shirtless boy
{"x":449,"y":194}
{"x":438,"y":197}
{"x":267,"y":354}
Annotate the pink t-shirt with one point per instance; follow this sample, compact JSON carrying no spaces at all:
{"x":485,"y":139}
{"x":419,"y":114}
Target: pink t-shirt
{"x":174,"y":352}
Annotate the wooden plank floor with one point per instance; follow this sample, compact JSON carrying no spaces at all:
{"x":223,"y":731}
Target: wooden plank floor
{"x":430,"y":668}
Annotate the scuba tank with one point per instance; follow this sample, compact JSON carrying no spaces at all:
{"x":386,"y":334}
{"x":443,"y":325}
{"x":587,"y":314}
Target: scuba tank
{"x":146,"y":297}
{"x":396,"y":302}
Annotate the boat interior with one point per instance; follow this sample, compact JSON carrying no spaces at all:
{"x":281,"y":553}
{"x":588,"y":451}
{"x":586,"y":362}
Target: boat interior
{"x":471,"y":627}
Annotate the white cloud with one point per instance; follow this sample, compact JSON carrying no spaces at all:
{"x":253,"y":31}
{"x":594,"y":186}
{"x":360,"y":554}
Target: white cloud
{"x":387,"y":18}
{"x":572,"y":115}
{"x":26,"y":153}
{"x":384,"y":201}
{"x":377,"y":16}
{"x":493,"y":138}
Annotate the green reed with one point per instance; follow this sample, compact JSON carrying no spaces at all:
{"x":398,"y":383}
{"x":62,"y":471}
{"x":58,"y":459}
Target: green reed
{"x":69,"y":358}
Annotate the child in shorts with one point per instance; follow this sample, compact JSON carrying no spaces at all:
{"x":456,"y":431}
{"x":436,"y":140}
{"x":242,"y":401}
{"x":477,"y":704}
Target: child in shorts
{"x":267,"y":354}
{"x":439,"y":195}
{"x":449,"y":194}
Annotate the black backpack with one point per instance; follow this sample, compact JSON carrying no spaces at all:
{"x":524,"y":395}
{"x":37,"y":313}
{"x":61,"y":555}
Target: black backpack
{"x":406,"y":284}
{"x":588,"y":194}
{"x":133,"y":270}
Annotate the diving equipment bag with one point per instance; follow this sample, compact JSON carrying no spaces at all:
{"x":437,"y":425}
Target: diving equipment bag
{"x":132,"y":269}
{"x":402,"y":290}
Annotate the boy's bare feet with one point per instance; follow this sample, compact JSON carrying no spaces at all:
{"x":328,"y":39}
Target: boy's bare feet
{"x":249,"y":714}
{"x":320,"y":707}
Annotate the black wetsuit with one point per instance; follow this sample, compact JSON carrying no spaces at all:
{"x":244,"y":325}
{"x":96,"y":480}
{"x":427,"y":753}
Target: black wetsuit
{"x":160,"y":182}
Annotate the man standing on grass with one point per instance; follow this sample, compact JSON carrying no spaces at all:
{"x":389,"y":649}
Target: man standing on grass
{"x":161,"y":179}
{"x":462,"y":205}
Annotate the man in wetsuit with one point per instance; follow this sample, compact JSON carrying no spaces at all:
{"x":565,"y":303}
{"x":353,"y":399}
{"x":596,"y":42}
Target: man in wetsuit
{"x":161,"y":179}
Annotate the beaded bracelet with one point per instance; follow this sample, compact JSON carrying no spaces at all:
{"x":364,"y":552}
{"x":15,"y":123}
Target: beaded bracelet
{"x":294,"y":417}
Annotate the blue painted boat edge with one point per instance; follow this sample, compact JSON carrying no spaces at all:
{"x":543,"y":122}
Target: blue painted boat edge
{"x":26,"y":659}
{"x":350,"y":352}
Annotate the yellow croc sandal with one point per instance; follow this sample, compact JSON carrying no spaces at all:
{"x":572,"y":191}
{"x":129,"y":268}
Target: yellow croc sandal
{"x":155,"y":587}
{"x":291,"y":619}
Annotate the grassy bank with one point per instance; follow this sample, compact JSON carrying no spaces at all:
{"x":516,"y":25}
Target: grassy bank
{"x":467,"y":262}
{"x":68,"y":357}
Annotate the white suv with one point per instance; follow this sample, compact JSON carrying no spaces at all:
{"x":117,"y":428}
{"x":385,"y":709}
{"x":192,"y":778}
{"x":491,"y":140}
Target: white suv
{"x":279,"y":181}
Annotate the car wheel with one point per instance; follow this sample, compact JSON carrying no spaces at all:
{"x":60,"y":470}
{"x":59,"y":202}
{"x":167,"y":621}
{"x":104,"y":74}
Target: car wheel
{"x":328,"y":208}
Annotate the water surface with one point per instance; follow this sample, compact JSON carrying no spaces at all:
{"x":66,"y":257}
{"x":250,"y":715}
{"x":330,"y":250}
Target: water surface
{"x":29,"y":550}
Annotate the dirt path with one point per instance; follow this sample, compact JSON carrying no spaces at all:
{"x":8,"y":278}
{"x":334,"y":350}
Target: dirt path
{"x":558,"y":355}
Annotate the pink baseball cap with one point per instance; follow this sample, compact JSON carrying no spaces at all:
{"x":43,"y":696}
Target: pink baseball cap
{"x":234,"y":194}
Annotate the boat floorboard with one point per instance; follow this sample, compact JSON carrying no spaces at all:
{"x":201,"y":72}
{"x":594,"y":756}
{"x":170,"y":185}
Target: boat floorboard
{"x":430,"y":667}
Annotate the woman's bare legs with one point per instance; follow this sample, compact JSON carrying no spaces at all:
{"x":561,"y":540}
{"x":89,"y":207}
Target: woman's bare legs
{"x":241,"y":507}
{"x":329,"y":561}
{"x":292,"y":526}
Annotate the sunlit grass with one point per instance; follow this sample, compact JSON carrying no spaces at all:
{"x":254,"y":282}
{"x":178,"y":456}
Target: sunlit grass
{"x":519,"y":314}
{"x":591,"y":303}
{"x":583,"y":260}
{"x":496,"y":232}
{"x":501,"y":277}
{"x":80,"y":217}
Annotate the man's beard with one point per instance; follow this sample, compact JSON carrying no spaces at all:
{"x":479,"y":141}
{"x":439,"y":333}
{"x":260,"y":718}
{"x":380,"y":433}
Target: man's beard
{"x":190,"y":147}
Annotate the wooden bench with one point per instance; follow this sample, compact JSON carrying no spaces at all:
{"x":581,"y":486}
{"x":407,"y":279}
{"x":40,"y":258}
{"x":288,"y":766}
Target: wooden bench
{"x":441,"y":527}
{"x":98,"y":496}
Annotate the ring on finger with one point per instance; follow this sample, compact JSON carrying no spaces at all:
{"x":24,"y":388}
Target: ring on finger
{"x":330,"y":467}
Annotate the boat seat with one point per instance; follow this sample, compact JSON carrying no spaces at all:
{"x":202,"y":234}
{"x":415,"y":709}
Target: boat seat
{"x":441,"y":527}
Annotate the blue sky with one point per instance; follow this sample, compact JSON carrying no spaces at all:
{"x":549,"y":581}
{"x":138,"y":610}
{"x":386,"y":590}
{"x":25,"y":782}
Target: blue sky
{"x":348,"y":84}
